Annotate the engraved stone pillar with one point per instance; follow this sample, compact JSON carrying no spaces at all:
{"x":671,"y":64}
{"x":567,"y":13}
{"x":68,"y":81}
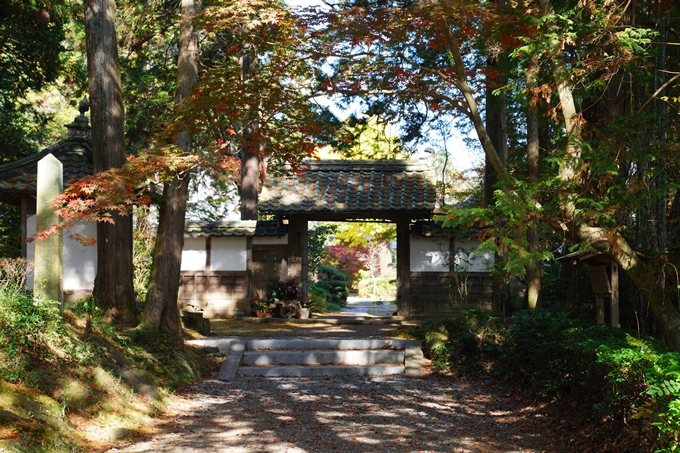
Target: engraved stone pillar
{"x":49,"y":253}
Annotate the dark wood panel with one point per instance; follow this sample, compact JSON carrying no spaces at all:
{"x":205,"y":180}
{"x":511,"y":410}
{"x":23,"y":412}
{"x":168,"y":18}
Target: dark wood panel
{"x":216,"y":293}
{"x":435,"y":294}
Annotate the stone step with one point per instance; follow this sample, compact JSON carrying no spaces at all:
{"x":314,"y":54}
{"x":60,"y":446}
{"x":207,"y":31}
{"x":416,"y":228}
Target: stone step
{"x":317,"y":357}
{"x":318,"y":371}
{"x":322,"y":357}
{"x":349,"y":344}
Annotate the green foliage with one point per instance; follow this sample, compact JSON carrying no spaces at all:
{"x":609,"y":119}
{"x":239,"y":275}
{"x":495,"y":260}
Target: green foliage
{"x":362,"y":234}
{"x":316,"y":240}
{"x":557,"y":356}
{"x":664,"y":389}
{"x":285,"y":290}
{"x":368,"y":138}
{"x":26,"y":329}
{"x":383,"y":288}
{"x":148,"y":39}
{"x":334,"y":283}
{"x":469,"y":344}
{"x":143,"y":243}
{"x":318,"y":298}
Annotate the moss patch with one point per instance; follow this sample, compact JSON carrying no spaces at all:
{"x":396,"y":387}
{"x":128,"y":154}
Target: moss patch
{"x":92,"y":393}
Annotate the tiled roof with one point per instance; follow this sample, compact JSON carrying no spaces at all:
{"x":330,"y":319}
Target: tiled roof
{"x":238,"y":228}
{"x":353,"y":187}
{"x":19,"y":178}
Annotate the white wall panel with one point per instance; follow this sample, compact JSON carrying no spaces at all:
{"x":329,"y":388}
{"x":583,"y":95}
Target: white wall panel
{"x":80,"y":262}
{"x":431,"y":255}
{"x":228,"y":254}
{"x":193,"y":254}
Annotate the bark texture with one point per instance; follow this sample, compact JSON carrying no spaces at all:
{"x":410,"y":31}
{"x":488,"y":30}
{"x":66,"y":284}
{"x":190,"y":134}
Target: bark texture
{"x":113,"y":287}
{"x":496,"y":126}
{"x":161,"y":311}
{"x":250,"y":158}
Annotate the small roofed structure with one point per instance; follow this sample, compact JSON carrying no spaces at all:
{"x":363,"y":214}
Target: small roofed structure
{"x":343,"y":189}
{"x":604,"y":278}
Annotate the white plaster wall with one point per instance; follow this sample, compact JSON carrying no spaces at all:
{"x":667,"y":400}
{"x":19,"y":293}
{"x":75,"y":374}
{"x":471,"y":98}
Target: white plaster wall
{"x":269,"y":240}
{"x":431,"y":255}
{"x":468,"y":258}
{"x":228,"y":254}
{"x":80,"y":262}
{"x":193,"y":254}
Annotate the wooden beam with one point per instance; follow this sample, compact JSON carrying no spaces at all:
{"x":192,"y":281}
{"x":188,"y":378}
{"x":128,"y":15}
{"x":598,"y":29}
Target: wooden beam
{"x":304,"y":278}
{"x":245,"y":303}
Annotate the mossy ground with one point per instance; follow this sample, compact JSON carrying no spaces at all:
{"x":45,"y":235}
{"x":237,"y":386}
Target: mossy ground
{"x":78,"y":395}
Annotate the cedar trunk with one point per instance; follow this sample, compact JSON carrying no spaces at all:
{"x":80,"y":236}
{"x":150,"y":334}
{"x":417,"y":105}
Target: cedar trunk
{"x":160,"y":312}
{"x":113,"y":287}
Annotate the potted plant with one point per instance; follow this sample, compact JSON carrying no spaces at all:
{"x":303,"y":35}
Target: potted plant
{"x":261,"y":308}
{"x":285,"y":297}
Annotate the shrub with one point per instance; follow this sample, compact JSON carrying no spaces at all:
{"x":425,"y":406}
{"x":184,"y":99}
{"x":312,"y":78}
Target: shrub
{"x":285,"y":290}
{"x":318,"y":298}
{"x":621,"y":375}
{"x":26,"y":329}
{"x":333,"y":281}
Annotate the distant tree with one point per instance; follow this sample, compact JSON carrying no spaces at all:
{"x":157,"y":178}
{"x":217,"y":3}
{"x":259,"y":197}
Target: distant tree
{"x":368,"y":138}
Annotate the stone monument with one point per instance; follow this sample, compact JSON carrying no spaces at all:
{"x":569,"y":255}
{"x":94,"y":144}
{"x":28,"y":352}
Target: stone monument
{"x":49,"y":253}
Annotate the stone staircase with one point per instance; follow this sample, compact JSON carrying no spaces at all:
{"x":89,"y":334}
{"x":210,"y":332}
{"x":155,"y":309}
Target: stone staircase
{"x":318,"y":357}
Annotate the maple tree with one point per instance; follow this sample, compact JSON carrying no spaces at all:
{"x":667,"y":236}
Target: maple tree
{"x":217,"y":113}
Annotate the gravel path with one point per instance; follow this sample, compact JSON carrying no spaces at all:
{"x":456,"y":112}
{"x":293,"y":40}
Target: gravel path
{"x":350,"y":414}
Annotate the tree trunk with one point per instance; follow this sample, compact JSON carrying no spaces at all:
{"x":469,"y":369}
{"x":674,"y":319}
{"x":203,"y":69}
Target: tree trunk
{"x":250,"y":159}
{"x":496,"y":126}
{"x":603,"y":240}
{"x":113,"y":288}
{"x":534,"y":270}
{"x":161,"y":312}
{"x":250,"y":179}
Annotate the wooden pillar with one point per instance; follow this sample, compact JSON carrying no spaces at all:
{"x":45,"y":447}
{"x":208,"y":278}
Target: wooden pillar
{"x":614,"y":299}
{"x":403,"y":267}
{"x":295,"y":248}
{"x":208,"y":254}
{"x":245,"y":304}
{"x":304,"y":280}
